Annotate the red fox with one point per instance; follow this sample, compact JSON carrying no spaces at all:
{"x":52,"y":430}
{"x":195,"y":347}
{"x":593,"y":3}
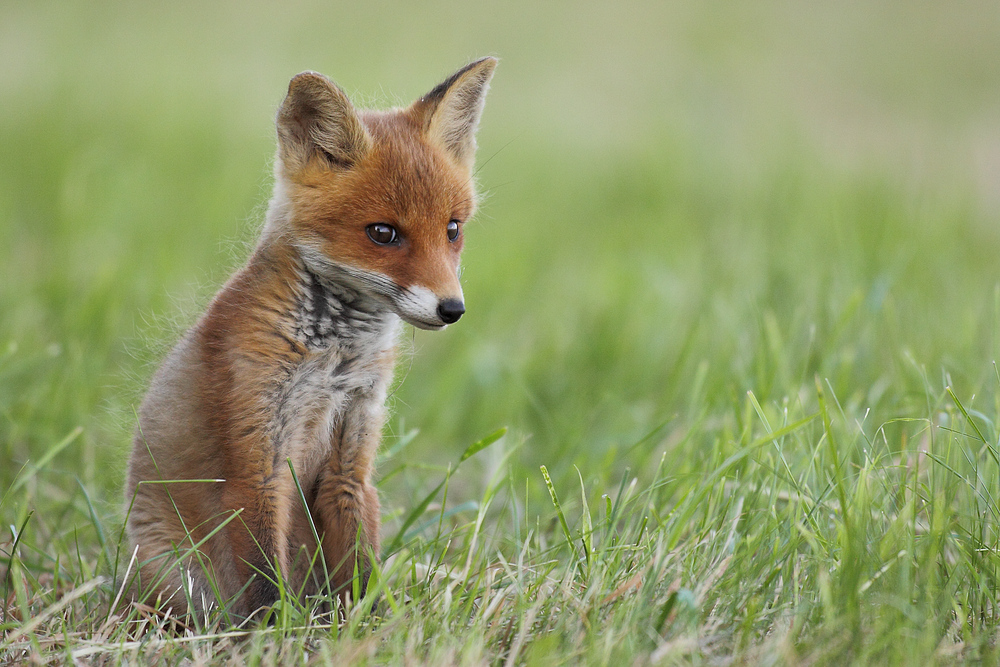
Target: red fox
{"x":292,"y":360}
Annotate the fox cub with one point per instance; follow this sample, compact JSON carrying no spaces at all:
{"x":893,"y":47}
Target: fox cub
{"x":292,"y":360}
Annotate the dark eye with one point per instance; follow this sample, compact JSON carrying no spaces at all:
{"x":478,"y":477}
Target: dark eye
{"x":382,"y":233}
{"x":453,"y":230}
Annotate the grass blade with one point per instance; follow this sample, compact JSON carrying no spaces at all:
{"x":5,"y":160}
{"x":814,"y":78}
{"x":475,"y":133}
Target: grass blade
{"x":480,"y":445}
{"x":559,"y":511}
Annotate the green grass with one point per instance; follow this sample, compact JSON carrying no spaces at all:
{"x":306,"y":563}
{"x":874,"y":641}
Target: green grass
{"x":732,"y":289}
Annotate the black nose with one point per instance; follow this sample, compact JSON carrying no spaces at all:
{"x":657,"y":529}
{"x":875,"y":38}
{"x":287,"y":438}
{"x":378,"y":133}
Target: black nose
{"x":450,"y":310}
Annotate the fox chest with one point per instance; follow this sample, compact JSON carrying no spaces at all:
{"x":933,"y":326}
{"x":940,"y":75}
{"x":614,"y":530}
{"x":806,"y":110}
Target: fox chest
{"x":342,"y":377}
{"x":316,"y":401}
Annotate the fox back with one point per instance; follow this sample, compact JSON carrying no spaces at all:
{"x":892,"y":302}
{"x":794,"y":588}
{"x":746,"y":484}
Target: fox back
{"x":288,"y":368}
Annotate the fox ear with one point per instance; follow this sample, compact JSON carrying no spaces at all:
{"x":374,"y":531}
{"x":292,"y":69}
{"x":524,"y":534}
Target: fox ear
{"x":450,"y":113}
{"x":317,"y":119}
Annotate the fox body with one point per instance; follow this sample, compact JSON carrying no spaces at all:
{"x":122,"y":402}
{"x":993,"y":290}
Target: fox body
{"x":292,"y":360}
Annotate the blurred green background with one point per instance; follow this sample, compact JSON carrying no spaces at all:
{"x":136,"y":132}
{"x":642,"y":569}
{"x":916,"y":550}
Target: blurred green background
{"x":681,"y":202}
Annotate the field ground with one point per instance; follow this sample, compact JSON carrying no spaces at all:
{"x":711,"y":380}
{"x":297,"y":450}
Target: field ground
{"x":732,"y":290}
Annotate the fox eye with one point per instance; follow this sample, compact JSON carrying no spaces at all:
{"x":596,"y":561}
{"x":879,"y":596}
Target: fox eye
{"x":453,"y":230}
{"x":382,"y":233}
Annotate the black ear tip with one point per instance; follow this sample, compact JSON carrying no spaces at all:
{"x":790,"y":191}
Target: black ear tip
{"x":482,"y":68}
{"x":482,"y":71}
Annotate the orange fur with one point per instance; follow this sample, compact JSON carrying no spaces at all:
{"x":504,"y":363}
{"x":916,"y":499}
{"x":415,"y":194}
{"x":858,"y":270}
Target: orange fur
{"x":292,"y":360}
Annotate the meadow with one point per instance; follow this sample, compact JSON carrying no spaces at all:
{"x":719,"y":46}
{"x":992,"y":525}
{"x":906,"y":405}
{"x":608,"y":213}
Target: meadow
{"x":726,"y":390}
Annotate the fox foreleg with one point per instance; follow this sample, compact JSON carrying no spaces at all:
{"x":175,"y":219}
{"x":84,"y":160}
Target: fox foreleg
{"x":258,"y":537}
{"x":346,"y":503}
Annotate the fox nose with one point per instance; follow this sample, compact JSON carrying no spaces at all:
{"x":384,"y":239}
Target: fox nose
{"x":450,"y":310}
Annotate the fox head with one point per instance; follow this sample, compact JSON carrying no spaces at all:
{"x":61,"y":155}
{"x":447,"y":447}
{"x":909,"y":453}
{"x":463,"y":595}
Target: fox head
{"x":378,"y":200}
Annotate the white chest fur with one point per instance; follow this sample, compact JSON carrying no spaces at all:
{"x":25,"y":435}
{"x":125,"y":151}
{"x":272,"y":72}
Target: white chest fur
{"x":346,"y":336}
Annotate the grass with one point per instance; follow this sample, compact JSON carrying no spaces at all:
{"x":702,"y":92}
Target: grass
{"x":732,"y":291}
